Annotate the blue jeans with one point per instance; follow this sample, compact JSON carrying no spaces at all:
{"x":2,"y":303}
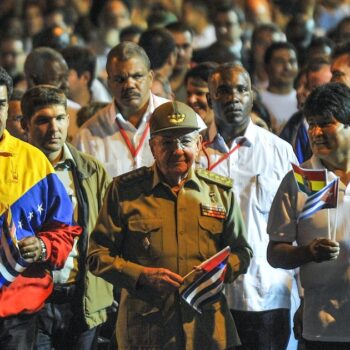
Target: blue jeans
{"x":61,"y":327}
{"x":18,"y":332}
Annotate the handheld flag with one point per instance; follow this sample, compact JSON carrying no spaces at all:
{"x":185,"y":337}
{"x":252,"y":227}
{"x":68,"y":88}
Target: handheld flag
{"x":325,"y":198}
{"x":11,"y":261}
{"x":207,"y":287}
{"x":310,"y":181}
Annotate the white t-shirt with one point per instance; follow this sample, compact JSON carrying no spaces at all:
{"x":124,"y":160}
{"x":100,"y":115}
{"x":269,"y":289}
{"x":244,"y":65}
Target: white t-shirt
{"x":280,"y":107}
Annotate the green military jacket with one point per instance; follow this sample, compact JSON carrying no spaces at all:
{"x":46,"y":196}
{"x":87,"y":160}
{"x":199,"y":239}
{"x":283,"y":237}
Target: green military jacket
{"x":143,"y":223}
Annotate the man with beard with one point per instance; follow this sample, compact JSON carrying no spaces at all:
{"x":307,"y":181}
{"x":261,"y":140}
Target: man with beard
{"x":257,"y":161}
{"x":118,"y":134}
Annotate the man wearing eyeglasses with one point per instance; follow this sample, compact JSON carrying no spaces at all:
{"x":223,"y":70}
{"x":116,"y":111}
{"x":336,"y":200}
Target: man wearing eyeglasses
{"x":156,"y":224}
{"x":79,"y":300}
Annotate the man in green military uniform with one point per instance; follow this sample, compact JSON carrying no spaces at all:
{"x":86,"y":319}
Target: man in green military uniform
{"x":156,"y":224}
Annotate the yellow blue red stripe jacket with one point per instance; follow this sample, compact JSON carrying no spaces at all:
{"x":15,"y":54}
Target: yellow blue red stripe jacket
{"x":38,"y":205}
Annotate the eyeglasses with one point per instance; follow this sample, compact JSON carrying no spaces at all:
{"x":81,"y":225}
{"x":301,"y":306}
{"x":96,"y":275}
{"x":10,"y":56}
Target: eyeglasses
{"x":179,"y":142}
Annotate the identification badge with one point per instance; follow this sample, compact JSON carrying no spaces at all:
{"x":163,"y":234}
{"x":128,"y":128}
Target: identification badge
{"x":213,"y":210}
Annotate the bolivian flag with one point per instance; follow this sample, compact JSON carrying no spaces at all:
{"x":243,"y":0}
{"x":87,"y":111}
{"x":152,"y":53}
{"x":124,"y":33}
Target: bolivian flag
{"x":310,"y":181}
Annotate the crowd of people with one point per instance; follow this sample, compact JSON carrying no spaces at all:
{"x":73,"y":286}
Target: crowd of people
{"x":139,"y":138}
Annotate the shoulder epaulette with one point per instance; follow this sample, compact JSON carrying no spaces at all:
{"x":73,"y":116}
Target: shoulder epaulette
{"x":134,"y":175}
{"x":216,"y":178}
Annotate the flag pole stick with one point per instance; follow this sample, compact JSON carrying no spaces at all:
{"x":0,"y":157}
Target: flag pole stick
{"x":334,"y":236}
{"x":190,"y":273}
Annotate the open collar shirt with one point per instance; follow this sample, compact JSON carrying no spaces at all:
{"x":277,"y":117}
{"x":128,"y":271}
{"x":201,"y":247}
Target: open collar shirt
{"x":101,"y":137}
{"x":257,"y":168}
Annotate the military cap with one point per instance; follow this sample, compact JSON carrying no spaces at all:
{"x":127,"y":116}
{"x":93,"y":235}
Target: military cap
{"x":173,"y":115}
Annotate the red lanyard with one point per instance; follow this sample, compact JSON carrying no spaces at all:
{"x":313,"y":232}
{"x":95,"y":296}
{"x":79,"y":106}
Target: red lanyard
{"x":222,"y":158}
{"x":134,"y":152}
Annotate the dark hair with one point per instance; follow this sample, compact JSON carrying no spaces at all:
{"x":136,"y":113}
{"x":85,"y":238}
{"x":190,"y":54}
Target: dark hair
{"x":265,"y":27}
{"x":225,"y":7}
{"x":201,"y":71}
{"x":278,"y":45}
{"x":319,"y":42}
{"x":130,"y":30}
{"x":37,"y":60}
{"x":6,"y":80}
{"x":228,"y":66}
{"x":16,"y":95}
{"x":126,"y":50}
{"x":342,"y":49}
{"x":158,"y":44}
{"x":80,"y":59}
{"x":41,"y":96}
{"x":329,"y":100}
{"x":179,"y":27}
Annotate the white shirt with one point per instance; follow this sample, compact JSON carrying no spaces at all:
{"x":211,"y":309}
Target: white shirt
{"x":257,"y":168}
{"x":100,"y":136}
{"x":326,"y":285}
{"x":280,"y":107}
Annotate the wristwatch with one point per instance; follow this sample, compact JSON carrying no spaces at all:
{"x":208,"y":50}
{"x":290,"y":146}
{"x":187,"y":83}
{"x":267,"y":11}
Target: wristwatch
{"x":43,"y":254}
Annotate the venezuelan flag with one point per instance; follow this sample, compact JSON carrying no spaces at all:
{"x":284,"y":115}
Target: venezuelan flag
{"x":310,"y":181}
{"x":31,"y":196}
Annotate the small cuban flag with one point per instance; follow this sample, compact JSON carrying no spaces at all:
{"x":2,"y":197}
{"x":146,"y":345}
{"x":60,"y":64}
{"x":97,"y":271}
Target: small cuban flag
{"x":208,"y":286}
{"x":327,"y":197}
{"x":11,"y":261}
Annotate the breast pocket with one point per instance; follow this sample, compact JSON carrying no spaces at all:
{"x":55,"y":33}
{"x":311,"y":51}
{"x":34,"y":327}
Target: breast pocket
{"x":146,"y":238}
{"x":266,"y":188}
{"x":209,"y":234}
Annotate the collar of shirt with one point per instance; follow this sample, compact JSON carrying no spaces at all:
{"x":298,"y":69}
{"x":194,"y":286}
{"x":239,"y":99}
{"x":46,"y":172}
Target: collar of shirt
{"x":65,"y":160}
{"x":125,"y":124}
{"x":6,"y":145}
{"x":220,"y":145}
{"x":191,"y":178}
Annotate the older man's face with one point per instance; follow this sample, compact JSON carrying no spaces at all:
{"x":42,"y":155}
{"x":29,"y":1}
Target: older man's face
{"x":174,"y":152}
{"x":130,"y":84}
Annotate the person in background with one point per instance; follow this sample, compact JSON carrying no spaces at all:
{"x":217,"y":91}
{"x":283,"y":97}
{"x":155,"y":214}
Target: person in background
{"x":37,"y":232}
{"x":78,"y":303}
{"x":196,"y":81}
{"x":55,"y":73}
{"x":84,"y":88}
{"x":14,"y":118}
{"x":280,"y":97}
{"x":183,"y":37}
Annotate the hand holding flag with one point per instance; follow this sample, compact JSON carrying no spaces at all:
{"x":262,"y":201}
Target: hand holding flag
{"x":208,"y":286}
